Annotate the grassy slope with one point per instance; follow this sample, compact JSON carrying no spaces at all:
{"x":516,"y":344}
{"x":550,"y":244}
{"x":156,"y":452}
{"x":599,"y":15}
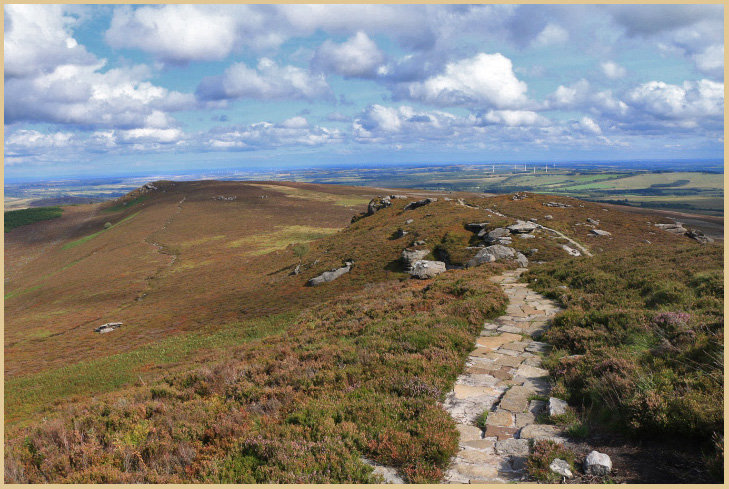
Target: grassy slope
{"x":350,"y":374}
{"x":23,"y":217}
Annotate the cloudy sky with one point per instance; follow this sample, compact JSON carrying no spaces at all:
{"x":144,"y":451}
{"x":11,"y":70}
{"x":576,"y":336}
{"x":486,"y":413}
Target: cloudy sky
{"x":103,"y":89}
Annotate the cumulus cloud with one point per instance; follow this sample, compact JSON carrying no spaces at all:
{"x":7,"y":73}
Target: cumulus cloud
{"x":552,"y":34}
{"x":30,"y":140}
{"x":612,"y":70}
{"x":711,"y":60}
{"x":514,"y":118}
{"x":590,"y":126}
{"x":38,"y":38}
{"x":358,"y":57}
{"x":264,"y":135}
{"x":484,"y":80}
{"x":692,"y":100}
{"x":268,"y":81}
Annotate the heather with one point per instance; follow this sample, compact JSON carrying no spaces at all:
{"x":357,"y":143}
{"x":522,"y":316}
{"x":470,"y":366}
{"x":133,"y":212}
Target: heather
{"x":640,"y":345}
{"x":360,"y":375}
{"x":23,"y":217}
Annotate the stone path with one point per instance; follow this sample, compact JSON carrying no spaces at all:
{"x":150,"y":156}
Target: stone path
{"x":502,"y":374}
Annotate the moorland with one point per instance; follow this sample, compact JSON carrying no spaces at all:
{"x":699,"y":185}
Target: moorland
{"x":228,"y":367}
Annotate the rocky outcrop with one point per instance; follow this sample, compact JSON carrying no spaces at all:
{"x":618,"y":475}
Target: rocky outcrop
{"x":378,"y":203}
{"x":556,"y":204}
{"x":419,"y":203}
{"x":522,"y":227}
{"x":697,"y":235}
{"x":425,"y":269}
{"x":108,"y":327}
{"x":675,"y":228}
{"x":330,"y":275}
{"x":409,"y":257}
{"x":600,"y":232}
{"x":497,"y":252}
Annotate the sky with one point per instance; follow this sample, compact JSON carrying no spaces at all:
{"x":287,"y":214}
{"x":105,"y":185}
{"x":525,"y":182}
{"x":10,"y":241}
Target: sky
{"x":131,"y":89}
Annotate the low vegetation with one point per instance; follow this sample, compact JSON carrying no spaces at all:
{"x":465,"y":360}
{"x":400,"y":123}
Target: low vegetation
{"x":23,"y":217}
{"x":541,"y":455}
{"x":357,"y":376}
{"x":640,"y":344}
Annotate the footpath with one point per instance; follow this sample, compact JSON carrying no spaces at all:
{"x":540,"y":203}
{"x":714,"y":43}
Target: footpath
{"x":504,"y":378}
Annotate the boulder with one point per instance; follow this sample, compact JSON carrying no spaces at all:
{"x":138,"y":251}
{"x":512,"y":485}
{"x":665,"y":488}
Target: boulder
{"x":378,"y":203}
{"x":556,"y":204}
{"x":675,"y":228}
{"x":561,"y":467}
{"x":491,"y":253}
{"x":419,"y":203}
{"x":425,"y":269}
{"x":548,"y":217}
{"x":571,"y":251}
{"x":108,"y":327}
{"x":597,"y":463}
{"x":409,"y":257}
{"x":331,"y":275}
{"x":522,"y":260}
{"x":699,"y":236}
{"x":476,"y":226}
{"x":522,"y":227}
{"x":494,"y":233}
{"x":393,"y":197}
{"x":600,"y":232}
{"x":556,"y":406}
{"x":410,"y":221}
{"x":593,"y":221}
{"x":400,"y":233}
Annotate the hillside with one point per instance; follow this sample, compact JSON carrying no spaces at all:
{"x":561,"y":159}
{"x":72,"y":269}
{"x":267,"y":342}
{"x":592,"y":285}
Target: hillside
{"x":226,"y":359}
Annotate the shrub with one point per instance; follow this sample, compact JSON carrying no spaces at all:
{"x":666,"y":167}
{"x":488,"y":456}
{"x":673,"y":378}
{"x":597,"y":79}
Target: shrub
{"x":541,"y":454}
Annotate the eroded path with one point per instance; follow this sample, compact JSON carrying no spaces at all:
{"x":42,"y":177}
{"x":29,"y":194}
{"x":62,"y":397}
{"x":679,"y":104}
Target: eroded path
{"x":503,"y":375}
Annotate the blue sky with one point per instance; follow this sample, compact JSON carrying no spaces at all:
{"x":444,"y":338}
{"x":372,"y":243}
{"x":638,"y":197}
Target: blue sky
{"x":108,"y":90}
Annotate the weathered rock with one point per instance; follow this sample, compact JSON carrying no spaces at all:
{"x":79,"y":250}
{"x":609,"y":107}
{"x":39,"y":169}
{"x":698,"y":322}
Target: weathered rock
{"x":393,"y":197}
{"x":561,"y":467}
{"x":425,"y":269}
{"x":526,"y":236}
{"x":331,"y":275}
{"x":494,"y":233}
{"x":378,"y":203}
{"x":675,"y":228}
{"x":571,"y":251}
{"x":476,"y":226}
{"x":548,"y":217}
{"x":697,"y":235}
{"x":556,"y":406}
{"x":400,"y":233}
{"x":108,"y":327}
{"x":600,"y":232}
{"x":410,"y":221}
{"x":389,"y":474}
{"x":419,"y":242}
{"x":522,"y":227}
{"x":522,"y":260}
{"x":536,"y":406}
{"x":597,"y":463}
{"x":593,"y":221}
{"x":409,"y":257}
{"x":419,"y":203}
{"x":512,"y":446}
{"x":556,"y":204}
{"x":518,"y":196}
{"x":516,"y":399}
{"x":491,"y":253}
{"x":500,"y":418}
{"x":542,"y":432}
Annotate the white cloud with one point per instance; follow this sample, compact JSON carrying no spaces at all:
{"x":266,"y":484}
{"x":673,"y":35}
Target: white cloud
{"x":612,"y":70}
{"x":268,"y":81}
{"x":174,"y":32}
{"x":711,"y":60}
{"x":700,"y":99}
{"x":31,"y":140}
{"x":590,"y":126}
{"x":513,"y":118}
{"x":484,"y":80}
{"x":150,"y":135}
{"x":263,"y":135}
{"x":297,"y":122}
{"x":552,"y":34}
{"x":567,"y":97}
{"x":38,"y":38}
{"x":357,"y":57}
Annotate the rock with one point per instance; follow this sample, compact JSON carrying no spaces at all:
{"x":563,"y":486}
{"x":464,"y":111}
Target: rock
{"x":491,"y":253}
{"x":393,"y":197}
{"x":675,"y":228}
{"x":331,"y":275}
{"x":542,"y":432}
{"x":494,"y":233}
{"x":378,"y":203}
{"x":571,"y":251}
{"x":512,"y":446}
{"x":519,"y":196}
{"x":476,"y":226}
{"x":410,"y":221}
{"x":424,"y":269}
{"x":522,"y":227}
{"x":561,"y":467}
{"x":600,"y":232}
{"x":409,"y":257}
{"x":419,"y":243}
{"x":593,"y":221}
{"x":556,"y":204}
{"x":108,"y":327}
{"x":699,"y":236}
{"x":548,"y":217}
{"x":400,"y":233}
{"x":597,"y":463}
{"x":419,"y":203}
{"x":389,"y":474}
{"x":522,"y":260}
{"x":526,"y":236}
{"x":536,"y":406}
{"x":556,"y":406}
